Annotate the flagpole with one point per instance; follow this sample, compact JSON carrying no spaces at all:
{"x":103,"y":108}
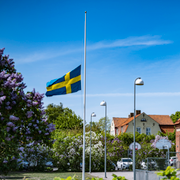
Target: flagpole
{"x":84,"y":122}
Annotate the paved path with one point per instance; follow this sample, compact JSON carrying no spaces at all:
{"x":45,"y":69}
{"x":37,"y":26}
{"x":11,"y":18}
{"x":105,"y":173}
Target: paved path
{"x":127,"y":174}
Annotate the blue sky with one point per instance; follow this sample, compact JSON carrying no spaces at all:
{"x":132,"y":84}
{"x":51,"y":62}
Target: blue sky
{"x":125,"y":40}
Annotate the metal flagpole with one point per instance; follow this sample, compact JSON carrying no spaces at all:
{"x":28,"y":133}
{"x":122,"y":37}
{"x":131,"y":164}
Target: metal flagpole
{"x":84,"y":122}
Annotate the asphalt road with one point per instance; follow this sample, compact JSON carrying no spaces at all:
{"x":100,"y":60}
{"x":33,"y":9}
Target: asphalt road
{"x":127,"y":174}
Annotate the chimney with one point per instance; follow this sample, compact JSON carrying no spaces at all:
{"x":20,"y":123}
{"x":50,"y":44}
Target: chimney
{"x":131,"y":115}
{"x":138,"y":112}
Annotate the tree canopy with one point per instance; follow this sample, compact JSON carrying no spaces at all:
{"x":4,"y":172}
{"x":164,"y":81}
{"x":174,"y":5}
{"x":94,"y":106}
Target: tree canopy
{"x":63,"y":118}
{"x":100,"y":125}
{"x":175,"y":116}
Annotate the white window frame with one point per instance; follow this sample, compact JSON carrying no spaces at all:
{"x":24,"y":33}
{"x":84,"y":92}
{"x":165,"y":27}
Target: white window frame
{"x":138,"y":129}
{"x":148,"y":131}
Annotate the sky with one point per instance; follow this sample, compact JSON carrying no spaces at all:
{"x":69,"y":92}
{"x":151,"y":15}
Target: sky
{"x":125,"y":40}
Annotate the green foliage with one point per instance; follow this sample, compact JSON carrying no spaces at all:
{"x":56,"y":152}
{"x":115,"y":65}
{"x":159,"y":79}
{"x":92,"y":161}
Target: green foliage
{"x":171,"y":136}
{"x":115,"y":177}
{"x":169,"y":173}
{"x":175,"y":116}
{"x":97,"y":178}
{"x":68,"y":178}
{"x":63,"y":118}
{"x":94,"y":127}
{"x":101,"y":124}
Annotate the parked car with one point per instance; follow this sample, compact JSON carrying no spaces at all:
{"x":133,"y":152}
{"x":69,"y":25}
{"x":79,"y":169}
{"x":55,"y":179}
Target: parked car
{"x":172,"y":160}
{"x":124,"y":163}
{"x":151,"y":164}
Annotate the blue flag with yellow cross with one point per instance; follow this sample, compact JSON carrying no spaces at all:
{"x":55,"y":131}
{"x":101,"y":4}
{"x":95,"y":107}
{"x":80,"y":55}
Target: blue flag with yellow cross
{"x":69,"y":83}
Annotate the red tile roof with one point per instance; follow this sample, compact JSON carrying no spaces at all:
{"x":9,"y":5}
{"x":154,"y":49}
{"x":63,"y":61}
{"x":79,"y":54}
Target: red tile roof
{"x":162,"y":119}
{"x":119,"y":121}
{"x":129,"y":120}
{"x":168,"y":129}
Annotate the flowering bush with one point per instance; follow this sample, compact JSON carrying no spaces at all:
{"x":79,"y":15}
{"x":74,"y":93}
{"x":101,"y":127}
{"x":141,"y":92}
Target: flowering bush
{"x":69,"y":152}
{"x":22,"y":117}
{"x":116,"y":150}
{"x":157,"y":138}
{"x":36,"y":155}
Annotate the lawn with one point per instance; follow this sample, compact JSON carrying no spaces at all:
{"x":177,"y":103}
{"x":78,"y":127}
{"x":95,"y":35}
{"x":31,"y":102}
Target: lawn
{"x":43,"y":175}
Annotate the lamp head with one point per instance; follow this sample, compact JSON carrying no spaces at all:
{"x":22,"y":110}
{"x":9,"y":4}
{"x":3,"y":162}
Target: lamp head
{"x":103,"y":103}
{"x":139,"y":81}
{"x":93,"y":115}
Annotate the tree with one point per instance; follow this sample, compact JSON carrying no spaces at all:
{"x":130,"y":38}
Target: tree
{"x":94,"y":127}
{"x":175,"y":116}
{"x":101,"y":124}
{"x":63,"y":118}
{"x":22,"y":117}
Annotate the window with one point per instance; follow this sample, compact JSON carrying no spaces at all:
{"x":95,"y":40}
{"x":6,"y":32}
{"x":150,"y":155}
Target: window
{"x":117,"y":131}
{"x":138,"y":129}
{"x":143,"y":120}
{"x":121,"y":129}
{"x":148,"y":131}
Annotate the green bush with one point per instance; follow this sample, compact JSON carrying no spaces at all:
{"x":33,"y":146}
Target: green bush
{"x":115,"y":177}
{"x":169,"y":173}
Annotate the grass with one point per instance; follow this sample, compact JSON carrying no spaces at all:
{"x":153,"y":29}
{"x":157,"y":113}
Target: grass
{"x":43,"y":175}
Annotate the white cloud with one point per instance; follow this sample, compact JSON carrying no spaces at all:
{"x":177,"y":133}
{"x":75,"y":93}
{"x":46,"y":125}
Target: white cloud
{"x":127,"y":42}
{"x":153,"y":94}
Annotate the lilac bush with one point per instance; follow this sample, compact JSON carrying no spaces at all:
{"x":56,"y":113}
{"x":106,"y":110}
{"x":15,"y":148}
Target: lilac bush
{"x":22,"y":117}
{"x":69,"y":152}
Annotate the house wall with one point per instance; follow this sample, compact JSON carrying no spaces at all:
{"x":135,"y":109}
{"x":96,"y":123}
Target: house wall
{"x":112,"y":130}
{"x":143,"y":125}
{"x":178,"y":140}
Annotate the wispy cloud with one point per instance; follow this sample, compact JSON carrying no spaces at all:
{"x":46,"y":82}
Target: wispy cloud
{"x":151,"y":94}
{"x":127,"y":42}
{"x":131,"y":41}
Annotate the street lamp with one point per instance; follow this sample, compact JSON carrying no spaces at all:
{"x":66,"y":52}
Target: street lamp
{"x":138,"y":81}
{"x":103,"y":103}
{"x":92,"y":115}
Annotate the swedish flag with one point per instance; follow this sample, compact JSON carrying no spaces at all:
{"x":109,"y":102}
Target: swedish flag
{"x":69,"y":83}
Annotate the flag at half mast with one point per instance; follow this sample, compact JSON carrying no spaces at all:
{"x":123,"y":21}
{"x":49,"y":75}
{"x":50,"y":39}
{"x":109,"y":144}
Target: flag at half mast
{"x":69,"y":83}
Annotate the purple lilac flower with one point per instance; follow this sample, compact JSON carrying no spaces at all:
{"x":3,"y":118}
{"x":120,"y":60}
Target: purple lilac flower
{"x":35,"y":103}
{"x":10,"y":124}
{"x":7,"y":138}
{"x":5,"y":161}
{"x":8,"y":107}
{"x":46,"y":134}
{"x":21,"y":149}
{"x":14,"y":128}
{"x":2,"y":98}
{"x":8,"y":129}
{"x":11,"y":117}
{"x":29,"y":114}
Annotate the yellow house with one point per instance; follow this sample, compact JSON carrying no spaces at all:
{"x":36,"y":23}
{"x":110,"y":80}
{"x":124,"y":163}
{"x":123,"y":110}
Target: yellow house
{"x":147,"y":124}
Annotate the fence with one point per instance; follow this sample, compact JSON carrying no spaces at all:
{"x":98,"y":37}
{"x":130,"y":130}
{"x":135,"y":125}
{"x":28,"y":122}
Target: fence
{"x":146,"y":175}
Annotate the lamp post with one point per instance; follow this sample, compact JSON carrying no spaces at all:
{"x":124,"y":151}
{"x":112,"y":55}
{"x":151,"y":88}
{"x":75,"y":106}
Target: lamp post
{"x":103,"y":103}
{"x":92,"y":115}
{"x":138,"y":81}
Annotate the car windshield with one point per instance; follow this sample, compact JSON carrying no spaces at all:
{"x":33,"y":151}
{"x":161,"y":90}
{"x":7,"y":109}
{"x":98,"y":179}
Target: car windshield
{"x":126,"y":160}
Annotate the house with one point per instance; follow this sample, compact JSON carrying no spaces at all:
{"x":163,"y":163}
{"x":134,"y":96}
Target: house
{"x":177,"y":125}
{"x":147,"y":124}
